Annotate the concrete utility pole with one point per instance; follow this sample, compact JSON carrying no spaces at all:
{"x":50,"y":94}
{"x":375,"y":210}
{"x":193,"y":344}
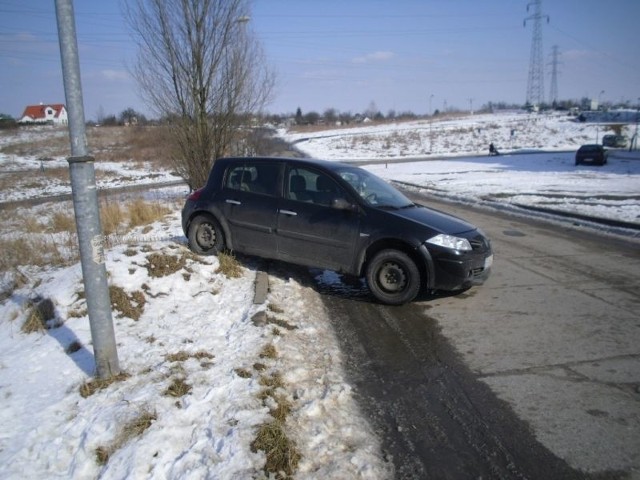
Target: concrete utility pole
{"x":85,"y":201}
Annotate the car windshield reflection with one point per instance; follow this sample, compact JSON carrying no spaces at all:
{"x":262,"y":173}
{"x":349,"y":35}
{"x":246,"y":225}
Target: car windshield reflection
{"x":373,"y":190}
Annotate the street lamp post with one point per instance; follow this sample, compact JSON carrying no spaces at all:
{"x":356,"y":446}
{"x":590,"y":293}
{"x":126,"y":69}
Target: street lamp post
{"x":430,"y":125}
{"x":634,"y":140}
{"x":599,"y":107}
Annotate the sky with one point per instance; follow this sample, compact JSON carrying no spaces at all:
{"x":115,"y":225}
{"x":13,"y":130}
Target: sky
{"x":403,"y":55}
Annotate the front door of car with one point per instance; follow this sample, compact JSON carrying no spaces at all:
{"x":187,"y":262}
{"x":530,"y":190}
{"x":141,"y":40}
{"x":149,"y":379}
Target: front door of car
{"x":310,"y":231}
{"x":250,"y":205}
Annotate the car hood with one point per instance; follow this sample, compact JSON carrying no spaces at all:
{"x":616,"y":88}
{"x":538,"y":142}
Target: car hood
{"x":435,"y":219}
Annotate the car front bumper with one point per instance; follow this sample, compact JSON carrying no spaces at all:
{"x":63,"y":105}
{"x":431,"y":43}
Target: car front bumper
{"x":459,"y":274}
{"x":451,"y":270}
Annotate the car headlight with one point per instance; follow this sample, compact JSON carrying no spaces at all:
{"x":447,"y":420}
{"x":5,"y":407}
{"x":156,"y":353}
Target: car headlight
{"x":449,"y":241}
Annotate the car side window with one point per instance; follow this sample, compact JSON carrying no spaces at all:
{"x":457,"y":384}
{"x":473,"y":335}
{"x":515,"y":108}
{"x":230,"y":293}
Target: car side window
{"x":307,"y":185}
{"x":255,"y":177}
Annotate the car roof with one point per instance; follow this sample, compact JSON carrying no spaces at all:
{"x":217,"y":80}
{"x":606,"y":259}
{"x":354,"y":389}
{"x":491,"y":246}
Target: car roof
{"x":330,"y":165}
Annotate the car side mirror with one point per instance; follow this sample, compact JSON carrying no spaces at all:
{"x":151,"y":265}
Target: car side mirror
{"x":343,"y":204}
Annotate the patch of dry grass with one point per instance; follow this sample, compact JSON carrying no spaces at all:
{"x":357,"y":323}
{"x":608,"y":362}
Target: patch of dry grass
{"x":63,"y":222}
{"x":142,"y":212}
{"x":132,"y":429}
{"x":183,"y":356}
{"x":38,"y":314}
{"x":117,"y":218}
{"x":178,"y":388}
{"x":89,"y":388}
{"x":129,"y":305}
{"x":282,"y":456}
{"x":269,"y":351}
{"x":136,"y":143}
{"x":229,"y":265}
{"x":37,"y":251}
{"x":112,"y":217}
{"x":161,"y":265}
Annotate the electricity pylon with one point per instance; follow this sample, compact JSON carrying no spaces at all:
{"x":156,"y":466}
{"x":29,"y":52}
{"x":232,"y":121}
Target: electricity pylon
{"x":535,"y":83}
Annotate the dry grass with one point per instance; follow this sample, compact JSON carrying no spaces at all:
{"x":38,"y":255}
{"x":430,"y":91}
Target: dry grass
{"x":183,"y":356}
{"x":178,"y":388}
{"x":129,"y":305}
{"x":272,"y":307}
{"x":41,"y":146}
{"x":32,"y":224}
{"x":132,"y":429}
{"x":37,"y":251}
{"x":38,"y":314}
{"x":280,"y":323}
{"x":112,"y":216}
{"x":243,"y":373}
{"x":161,"y":265}
{"x":229,"y":265}
{"x":282,"y":455}
{"x":117,"y":218}
{"x":62,"y":222}
{"x":142,"y":212}
{"x":269,"y":351}
{"x":146,"y":144}
{"x":89,"y":388}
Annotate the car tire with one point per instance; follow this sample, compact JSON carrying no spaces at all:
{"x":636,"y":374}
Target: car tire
{"x":206,"y":236}
{"x":393,"y":277}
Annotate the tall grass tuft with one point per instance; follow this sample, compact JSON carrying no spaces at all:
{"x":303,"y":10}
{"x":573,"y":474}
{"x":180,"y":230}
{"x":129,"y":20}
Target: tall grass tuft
{"x":142,"y":212}
{"x":229,"y":266}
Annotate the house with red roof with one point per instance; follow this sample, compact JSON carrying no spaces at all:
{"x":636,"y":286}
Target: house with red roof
{"x":54,"y":113}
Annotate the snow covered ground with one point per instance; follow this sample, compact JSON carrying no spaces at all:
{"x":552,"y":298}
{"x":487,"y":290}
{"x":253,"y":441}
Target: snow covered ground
{"x":192,"y":324}
{"x":536,"y":167}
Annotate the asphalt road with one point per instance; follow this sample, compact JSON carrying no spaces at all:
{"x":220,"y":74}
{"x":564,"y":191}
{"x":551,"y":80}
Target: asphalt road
{"x":535,"y":374}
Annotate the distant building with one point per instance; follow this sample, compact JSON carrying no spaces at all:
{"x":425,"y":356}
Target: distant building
{"x":54,"y":114}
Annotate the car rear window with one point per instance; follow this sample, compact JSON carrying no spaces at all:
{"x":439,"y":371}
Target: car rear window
{"x":590,"y":148}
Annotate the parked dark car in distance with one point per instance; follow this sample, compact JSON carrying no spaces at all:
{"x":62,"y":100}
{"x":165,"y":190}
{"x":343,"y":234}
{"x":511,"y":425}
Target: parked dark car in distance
{"x":595,"y":154}
{"x":615,"y":141}
{"x":338,"y":217}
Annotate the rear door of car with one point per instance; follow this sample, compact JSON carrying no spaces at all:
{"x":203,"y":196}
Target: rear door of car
{"x":250,"y":204}
{"x":310,"y":231}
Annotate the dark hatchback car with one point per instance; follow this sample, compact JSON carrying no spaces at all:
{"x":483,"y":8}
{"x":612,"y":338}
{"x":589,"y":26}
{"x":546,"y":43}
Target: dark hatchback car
{"x":338,"y":217}
{"x":595,"y":154}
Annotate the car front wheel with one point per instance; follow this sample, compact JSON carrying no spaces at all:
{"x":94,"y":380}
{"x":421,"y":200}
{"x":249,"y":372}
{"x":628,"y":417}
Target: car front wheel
{"x":206,"y":236}
{"x":393,"y":277}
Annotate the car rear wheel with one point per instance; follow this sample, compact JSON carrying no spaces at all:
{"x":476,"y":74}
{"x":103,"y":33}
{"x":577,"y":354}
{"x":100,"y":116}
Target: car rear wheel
{"x":393,"y":277}
{"x":206,"y":236}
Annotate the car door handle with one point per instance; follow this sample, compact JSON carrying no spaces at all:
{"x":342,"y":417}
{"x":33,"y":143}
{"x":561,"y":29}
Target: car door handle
{"x":288,"y":212}
{"x":233,"y":202}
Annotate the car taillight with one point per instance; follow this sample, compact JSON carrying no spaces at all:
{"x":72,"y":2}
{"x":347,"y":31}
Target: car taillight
{"x":195,"y":196}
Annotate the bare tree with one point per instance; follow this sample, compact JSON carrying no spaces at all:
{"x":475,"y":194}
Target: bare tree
{"x":200,"y":67}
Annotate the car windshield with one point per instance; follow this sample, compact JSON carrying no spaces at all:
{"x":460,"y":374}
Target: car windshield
{"x":373,"y":190}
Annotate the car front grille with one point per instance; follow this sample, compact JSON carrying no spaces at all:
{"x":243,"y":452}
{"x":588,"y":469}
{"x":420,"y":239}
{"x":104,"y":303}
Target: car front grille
{"x":476,"y":271}
{"x":478,"y":243}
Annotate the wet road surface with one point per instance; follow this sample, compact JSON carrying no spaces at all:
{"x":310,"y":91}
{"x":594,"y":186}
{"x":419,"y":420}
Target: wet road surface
{"x":454,"y":393}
